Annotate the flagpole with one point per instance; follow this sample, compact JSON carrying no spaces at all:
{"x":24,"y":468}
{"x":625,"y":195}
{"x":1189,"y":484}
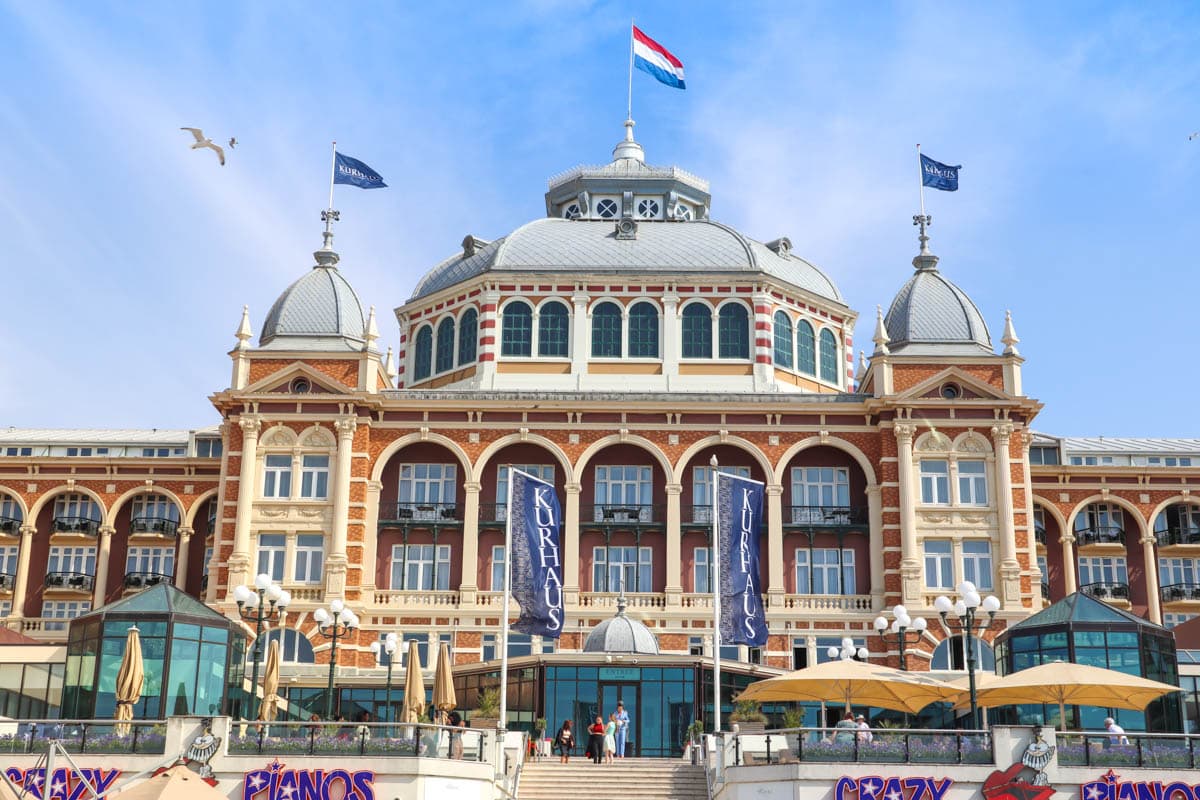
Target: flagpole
{"x":716,"y":590}
{"x":629,"y":108}
{"x":508,"y":517}
{"x":921,"y":179}
{"x":332,"y":171}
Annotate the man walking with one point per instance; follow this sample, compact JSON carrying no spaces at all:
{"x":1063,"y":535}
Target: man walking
{"x":622,"y":728}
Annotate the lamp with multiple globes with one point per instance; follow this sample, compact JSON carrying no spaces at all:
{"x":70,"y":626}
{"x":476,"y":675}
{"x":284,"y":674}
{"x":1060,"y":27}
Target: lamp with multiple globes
{"x":388,"y":646}
{"x":336,"y":623}
{"x":960,"y":616}
{"x":901,"y":628}
{"x":266,"y":601}
{"x":847,"y":652}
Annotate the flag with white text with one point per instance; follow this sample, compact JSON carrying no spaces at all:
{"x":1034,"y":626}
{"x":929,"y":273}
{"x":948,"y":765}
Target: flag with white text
{"x":739,"y":530}
{"x":535,"y":524}
{"x":938,"y":175}
{"x":356,"y":173}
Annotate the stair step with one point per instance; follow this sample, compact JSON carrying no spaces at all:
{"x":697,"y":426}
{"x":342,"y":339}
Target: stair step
{"x":626,"y":779}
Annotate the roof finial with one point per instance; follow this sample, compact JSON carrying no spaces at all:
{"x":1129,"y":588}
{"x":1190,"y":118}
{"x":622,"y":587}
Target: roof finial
{"x":628,"y":148}
{"x":370,"y":331}
{"x":862,"y":367}
{"x":244,"y":334}
{"x":1010,"y":336}
{"x":326,"y":257}
{"x":881,"y":337}
{"x":389,"y":368}
{"x":925,"y":259}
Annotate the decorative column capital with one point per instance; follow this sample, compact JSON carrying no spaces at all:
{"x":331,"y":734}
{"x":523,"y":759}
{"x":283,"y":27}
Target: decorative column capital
{"x":374,"y":486}
{"x":107,"y":530}
{"x":573,"y":488}
{"x":1001,"y":432}
{"x":28,"y":530}
{"x":472,"y":487}
{"x":874,"y":490}
{"x":250,"y":426}
{"x":185,"y":532}
{"x":673,"y":489}
{"x":773,"y":489}
{"x":905,"y":432}
{"x":1067,"y":538}
{"x":346,"y":427}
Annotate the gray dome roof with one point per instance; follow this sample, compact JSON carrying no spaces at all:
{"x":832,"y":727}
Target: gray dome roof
{"x":662,"y":248}
{"x":931,"y":315}
{"x":620,"y":634}
{"x":318,"y":312}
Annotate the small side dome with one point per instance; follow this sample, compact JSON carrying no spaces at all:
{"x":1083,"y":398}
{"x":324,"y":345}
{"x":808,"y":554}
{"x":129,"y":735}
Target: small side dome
{"x":932,"y":316}
{"x":318,"y":312}
{"x":621,"y":635}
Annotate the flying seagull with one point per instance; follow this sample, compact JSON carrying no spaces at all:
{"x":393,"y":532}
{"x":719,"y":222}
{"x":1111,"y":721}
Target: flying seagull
{"x":203,"y":141}
{"x":232,"y":142}
{"x":1194,"y":135}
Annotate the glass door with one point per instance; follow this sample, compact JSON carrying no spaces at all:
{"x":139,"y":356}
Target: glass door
{"x":629,"y":694}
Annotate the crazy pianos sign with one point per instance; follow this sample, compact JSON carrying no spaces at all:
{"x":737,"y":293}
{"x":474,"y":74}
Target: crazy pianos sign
{"x":873,"y":787}
{"x":276,"y":782}
{"x":63,"y":783}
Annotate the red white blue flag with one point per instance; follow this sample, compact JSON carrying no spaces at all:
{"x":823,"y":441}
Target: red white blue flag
{"x":650,"y":56}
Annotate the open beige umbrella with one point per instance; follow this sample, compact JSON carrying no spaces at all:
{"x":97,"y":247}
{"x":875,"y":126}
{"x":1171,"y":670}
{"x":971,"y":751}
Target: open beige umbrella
{"x":176,"y":783}
{"x":414,"y":686}
{"x":130,"y":678}
{"x":1071,"y":684}
{"x":269,"y":707}
{"x":853,"y":682}
{"x":444,"y":698}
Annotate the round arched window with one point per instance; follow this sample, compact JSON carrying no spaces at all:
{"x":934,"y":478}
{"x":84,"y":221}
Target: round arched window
{"x":572,"y":211}
{"x":301,"y":386}
{"x":648,"y":209}
{"x":606,"y":209}
{"x":951,"y":391}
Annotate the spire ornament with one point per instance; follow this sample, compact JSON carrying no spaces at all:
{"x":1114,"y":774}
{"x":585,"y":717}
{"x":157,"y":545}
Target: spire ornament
{"x":1010,"y":336}
{"x":244,"y":334}
{"x":862,"y":367}
{"x":924,"y":259}
{"x":370,"y":331}
{"x":881,"y":337}
{"x":389,"y":367}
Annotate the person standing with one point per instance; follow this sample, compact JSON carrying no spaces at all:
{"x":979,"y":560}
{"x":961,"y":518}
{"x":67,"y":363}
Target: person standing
{"x":622,"y":718}
{"x":564,"y":741}
{"x":596,"y":740}
{"x":610,"y":738}
{"x":1117,"y":733}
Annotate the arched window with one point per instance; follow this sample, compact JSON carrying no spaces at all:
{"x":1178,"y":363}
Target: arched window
{"x":424,"y":365}
{"x":10,"y":514}
{"x":445,"y":345}
{"x":294,"y":648}
{"x":553,"y":330}
{"x":734,"y":331}
{"x":643,"y":330}
{"x":783,"y":340}
{"x":697,"y":330}
{"x":806,"y":348}
{"x":606,"y":330}
{"x":829,"y":365}
{"x":952,"y":655}
{"x":467,"y":333}
{"x":516,"y":337}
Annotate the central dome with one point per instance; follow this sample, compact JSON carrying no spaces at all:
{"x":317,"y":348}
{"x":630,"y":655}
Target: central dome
{"x":620,"y":634}
{"x":320,"y":311}
{"x":930,"y":315}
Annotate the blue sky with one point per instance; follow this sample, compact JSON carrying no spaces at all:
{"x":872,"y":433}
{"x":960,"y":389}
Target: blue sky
{"x":129,"y":256}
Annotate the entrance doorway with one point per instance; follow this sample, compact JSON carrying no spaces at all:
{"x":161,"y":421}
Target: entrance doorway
{"x":629,"y":693}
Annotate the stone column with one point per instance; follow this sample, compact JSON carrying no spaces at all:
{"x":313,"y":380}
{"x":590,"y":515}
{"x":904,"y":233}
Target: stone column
{"x":875,"y":543}
{"x":239,"y":561}
{"x":1010,"y":568}
{"x":910,"y":558}
{"x":571,"y":563}
{"x":579,"y":331}
{"x":489,"y":337}
{"x":674,"y":587}
{"x":670,"y":333}
{"x":103,"y":553}
{"x":776,"y":588}
{"x":181,"y":560}
{"x":370,"y":549}
{"x":1070,"y":584}
{"x":336,"y":562}
{"x":21,"y":580}
{"x":1153,"y":598}
{"x":467,"y":582}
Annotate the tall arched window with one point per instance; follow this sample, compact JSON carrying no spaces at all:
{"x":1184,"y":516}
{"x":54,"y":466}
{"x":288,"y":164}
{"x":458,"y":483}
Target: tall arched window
{"x":734,"y":331}
{"x":829,"y":365}
{"x":783,"y":340}
{"x":294,"y":648}
{"x":697,"y":330}
{"x":553,"y":330}
{"x":806,"y":348}
{"x":951,"y":655}
{"x":516,"y":337}
{"x":445,"y":345}
{"x":606,"y":330}
{"x":424,"y":365}
{"x":468,"y":331}
{"x":643,"y":330}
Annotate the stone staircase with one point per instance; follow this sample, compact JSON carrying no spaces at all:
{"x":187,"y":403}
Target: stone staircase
{"x":624,"y":779}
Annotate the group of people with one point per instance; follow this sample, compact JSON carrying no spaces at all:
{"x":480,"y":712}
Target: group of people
{"x":605,"y":740}
{"x":852,"y":727}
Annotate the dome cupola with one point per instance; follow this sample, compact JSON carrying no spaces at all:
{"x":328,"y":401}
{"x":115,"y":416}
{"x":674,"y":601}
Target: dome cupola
{"x":620,"y":634}
{"x":320,"y":311}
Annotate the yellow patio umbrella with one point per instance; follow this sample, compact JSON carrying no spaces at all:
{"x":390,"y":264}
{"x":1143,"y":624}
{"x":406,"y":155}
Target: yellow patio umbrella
{"x":269,"y":706}
{"x":1071,"y":684}
{"x":444,"y":698}
{"x":176,"y":783}
{"x":130,"y":678}
{"x":6,"y":789}
{"x":853,"y":682}
{"x":414,"y":686}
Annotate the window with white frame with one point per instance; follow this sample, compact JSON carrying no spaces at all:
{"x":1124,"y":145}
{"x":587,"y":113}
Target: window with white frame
{"x":543,"y":471}
{"x":310,"y":557}
{"x":825,"y":570}
{"x":1102,"y":520}
{"x":939,"y":566}
{"x":427,"y":647}
{"x":972,"y":482}
{"x":617,"y":568}
{"x":150,"y":561}
{"x":623,"y":493}
{"x":427,"y":489}
{"x":76,"y":506}
{"x":152,"y":507}
{"x":825,"y":642}
{"x":702,"y":570}
{"x":272,"y":550}
{"x":5,"y":608}
{"x":9,"y":508}
{"x":1043,"y":568}
{"x":519,"y":644}
{"x":1170,"y":620}
{"x":1178,"y":571}
{"x":62,"y":610}
{"x":294,"y":647}
{"x":277,"y":477}
{"x":421,"y":567}
{"x":1103,"y":570}
{"x":498,"y":568}
{"x":935,"y":482}
{"x":314,"y":477}
{"x":815,"y":490}
{"x":8,"y":562}
{"x":77,"y":560}
{"x":977,"y":563}
{"x":702,"y":490}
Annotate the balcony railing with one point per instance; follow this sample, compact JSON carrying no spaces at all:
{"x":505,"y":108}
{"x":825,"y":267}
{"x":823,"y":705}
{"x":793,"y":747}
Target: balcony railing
{"x":1180,"y":591}
{"x":624,"y":514}
{"x":75,"y":581}
{"x":1046,"y":590}
{"x":373,"y":739}
{"x":159,"y":526}
{"x":140,"y":580}
{"x":86,"y":736}
{"x":10,"y":526}
{"x":493,"y":512}
{"x":84,"y":525}
{"x":1039,"y":533}
{"x":635,"y":600}
{"x":7,"y":581}
{"x":831,"y":517}
{"x":879,"y":746}
{"x":1154,"y":750}
{"x":1189,"y":534}
{"x":827,"y":602}
{"x":1106,"y":590}
{"x":409,"y":597}
{"x":408,"y":513}
{"x":1099,"y":534}
{"x":700,"y":514}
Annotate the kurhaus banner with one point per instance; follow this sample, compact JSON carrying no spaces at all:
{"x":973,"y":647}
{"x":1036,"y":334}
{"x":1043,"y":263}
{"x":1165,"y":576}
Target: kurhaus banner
{"x":535,"y":523}
{"x":739,"y":528}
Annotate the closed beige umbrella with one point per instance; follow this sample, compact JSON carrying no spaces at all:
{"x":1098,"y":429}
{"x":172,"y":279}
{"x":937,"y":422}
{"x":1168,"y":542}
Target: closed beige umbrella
{"x":853,"y":682}
{"x":444,"y":698}
{"x":269,"y":707}
{"x":414,"y":686}
{"x":130,"y":678}
{"x":176,"y":783}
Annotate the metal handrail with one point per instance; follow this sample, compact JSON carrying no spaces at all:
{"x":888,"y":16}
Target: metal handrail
{"x":164,"y":526}
{"x":1104,"y":749}
{"x":7,"y":580}
{"x":882,"y":745}
{"x":1179,"y":591}
{"x":79,"y":581}
{"x":10,"y":525}
{"x":1106,"y":590}
{"x":342,"y":738}
{"x":624,"y":514}
{"x":85,"y":525}
{"x":1100,"y":534}
{"x":1180,"y":534}
{"x":139,"y":579}
{"x":409,"y":512}
{"x":98,"y":736}
{"x":827,"y":516}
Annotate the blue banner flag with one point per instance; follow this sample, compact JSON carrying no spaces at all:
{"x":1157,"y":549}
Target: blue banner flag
{"x":739,"y":529}
{"x":939,"y":175}
{"x":356,"y":173}
{"x":535,"y":523}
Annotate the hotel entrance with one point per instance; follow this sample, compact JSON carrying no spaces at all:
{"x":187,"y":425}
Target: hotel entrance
{"x":627,"y":692}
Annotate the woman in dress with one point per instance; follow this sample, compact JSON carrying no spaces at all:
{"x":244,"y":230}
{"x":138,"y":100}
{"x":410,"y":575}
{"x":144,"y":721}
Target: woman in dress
{"x":564,"y":741}
{"x":610,"y":738}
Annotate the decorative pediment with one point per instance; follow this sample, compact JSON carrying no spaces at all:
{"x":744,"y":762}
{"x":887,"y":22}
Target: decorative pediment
{"x":298,"y":378}
{"x":968,"y":386}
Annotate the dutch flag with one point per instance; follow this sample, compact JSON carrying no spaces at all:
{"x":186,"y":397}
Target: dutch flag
{"x":650,"y":56}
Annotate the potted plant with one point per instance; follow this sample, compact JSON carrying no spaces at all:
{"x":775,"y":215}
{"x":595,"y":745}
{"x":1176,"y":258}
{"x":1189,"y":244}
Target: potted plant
{"x":793,"y":718}
{"x":749,"y":716}
{"x":487,"y":709}
{"x":694,"y":748}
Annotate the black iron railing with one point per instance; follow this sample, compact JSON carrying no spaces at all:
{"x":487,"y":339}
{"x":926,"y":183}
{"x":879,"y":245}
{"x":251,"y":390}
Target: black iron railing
{"x":1106,"y":590}
{"x":1046,"y":589}
{"x":831,"y":517}
{"x":10,"y":526}
{"x":1187,"y":534}
{"x":407,"y":513}
{"x":102,"y":737}
{"x":84,"y":525}
{"x":625,"y":514}
{"x":1100,"y":534}
{"x":1180,"y":591}
{"x":161,"y":526}
{"x":1102,"y":749}
{"x":375,"y":739}
{"x":139,"y":580}
{"x":493,"y":512}
{"x":7,"y":580}
{"x":78,"y":581}
{"x":876,"y":746}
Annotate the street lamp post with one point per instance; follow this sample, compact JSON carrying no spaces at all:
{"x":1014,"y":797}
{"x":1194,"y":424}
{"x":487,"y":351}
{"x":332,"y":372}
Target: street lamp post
{"x":960,"y":617}
{"x":265,"y":602}
{"x":902,"y":627}
{"x":847,"y":652}
{"x":336,"y":623}
{"x":389,"y":645}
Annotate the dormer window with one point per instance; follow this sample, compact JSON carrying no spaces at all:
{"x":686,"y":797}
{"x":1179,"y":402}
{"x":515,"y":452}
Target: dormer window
{"x":648,"y":208}
{"x":683,"y":212}
{"x":572,"y":211}
{"x":607,"y":208}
